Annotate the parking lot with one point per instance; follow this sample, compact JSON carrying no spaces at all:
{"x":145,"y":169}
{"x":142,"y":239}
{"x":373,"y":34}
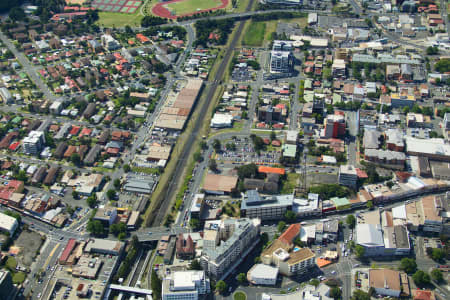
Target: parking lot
{"x":245,"y":154}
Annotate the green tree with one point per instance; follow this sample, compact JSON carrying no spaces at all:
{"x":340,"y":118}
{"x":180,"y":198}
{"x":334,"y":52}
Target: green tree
{"x":195,"y":265}
{"x":91,"y":201}
{"x":242,"y":278}
{"x":360,"y":295}
{"x":22,"y":176}
{"x":194,"y":223}
{"x":95,"y":227}
{"x":217,"y":145}
{"x":203,"y":145}
{"x":122,"y":236}
{"x":315,"y":282}
{"x":408,"y":265}
{"x":369,"y":204}
{"x":75,"y":158}
{"x":116,"y":183}
{"x":290,"y":216}
{"x":281,"y":226}
{"x":360,"y":251}
{"x":16,"y":14}
{"x":336,"y":293}
{"x":75,"y":195}
{"x":198,"y":156}
{"x":273,"y":135}
{"x":437,"y":276}
{"x":156,"y":285}
{"x":118,"y":228}
{"x":126,"y":168}
{"x":221,"y":286}
{"x":111,"y":194}
{"x":213,"y":165}
{"x":230,"y":146}
{"x":438,"y":254}
{"x":421,"y":278}
{"x":351,"y":221}
{"x":247,"y":171}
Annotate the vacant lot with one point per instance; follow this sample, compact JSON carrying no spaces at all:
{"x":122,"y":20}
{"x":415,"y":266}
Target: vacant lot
{"x":29,"y":243}
{"x":191,"y":6}
{"x":254,"y":36}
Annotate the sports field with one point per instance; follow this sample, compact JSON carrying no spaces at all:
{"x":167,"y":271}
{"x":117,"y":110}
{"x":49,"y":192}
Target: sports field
{"x":191,"y":6}
{"x":122,"y":6}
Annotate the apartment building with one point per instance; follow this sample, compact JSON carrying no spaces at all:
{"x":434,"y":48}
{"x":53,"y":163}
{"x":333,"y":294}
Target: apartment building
{"x":281,"y":62}
{"x":226,"y":243}
{"x":34,"y":142}
{"x":185,"y":285}
{"x":254,"y":205}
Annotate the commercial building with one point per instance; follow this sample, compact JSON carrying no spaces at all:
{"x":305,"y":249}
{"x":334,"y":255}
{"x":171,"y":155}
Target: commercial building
{"x":261,"y":274}
{"x":388,"y":282}
{"x":434,"y":149}
{"x":140,"y":186}
{"x":226,"y":243}
{"x":386,"y":158}
{"x":371,"y":238}
{"x":265,"y":208}
{"x":104,"y":246}
{"x":283,"y":2}
{"x":219,"y":184}
{"x":33,"y":143}
{"x":348,"y":175}
{"x":106,"y":215}
{"x":8,"y":224}
{"x":185,"y":285}
{"x":221,"y":120}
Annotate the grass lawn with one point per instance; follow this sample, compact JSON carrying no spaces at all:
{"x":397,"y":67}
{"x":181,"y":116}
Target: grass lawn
{"x":254,"y":36}
{"x":18,"y":277}
{"x":237,"y":127}
{"x":158,"y":260}
{"x":239,"y":296}
{"x":145,"y":170}
{"x":112,"y":19}
{"x":11,"y":263}
{"x":290,"y":183}
{"x":190,"y":6}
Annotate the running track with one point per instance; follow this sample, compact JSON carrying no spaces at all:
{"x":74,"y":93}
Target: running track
{"x":161,"y":11}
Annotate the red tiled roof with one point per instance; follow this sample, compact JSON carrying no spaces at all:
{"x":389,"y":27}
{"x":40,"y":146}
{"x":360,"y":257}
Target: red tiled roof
{"x":13,"y":146}
{"x":264,"y":169}
{"x":69,"y":248}
{"x":290,"y":234}
{"x":74,"y":130}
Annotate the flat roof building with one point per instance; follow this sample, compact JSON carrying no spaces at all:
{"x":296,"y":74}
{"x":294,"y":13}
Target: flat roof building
{"x":265,"y":207}
{"x":189,"y":285}
{"x":261,"y":274}
{"x":348,"y":175}
{"x":8,"y":224}
{"x":104,"y":246}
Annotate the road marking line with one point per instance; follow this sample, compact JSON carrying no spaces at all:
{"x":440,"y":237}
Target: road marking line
{"x":50,"y":256}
